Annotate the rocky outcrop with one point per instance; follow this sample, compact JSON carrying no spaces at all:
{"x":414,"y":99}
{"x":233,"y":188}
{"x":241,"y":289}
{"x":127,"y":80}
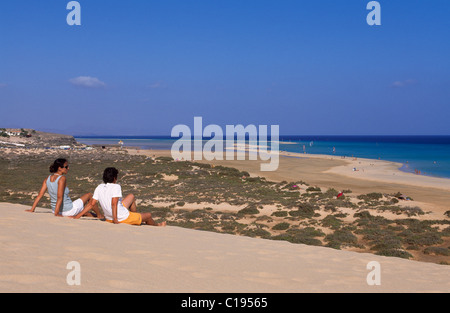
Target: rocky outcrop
{"x":50,"y":139}
{"x":38,"y":139}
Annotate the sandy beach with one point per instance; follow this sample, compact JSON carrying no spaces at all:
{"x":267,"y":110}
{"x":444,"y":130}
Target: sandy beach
{"x":327,"y":171}
{"x":120,"y":258}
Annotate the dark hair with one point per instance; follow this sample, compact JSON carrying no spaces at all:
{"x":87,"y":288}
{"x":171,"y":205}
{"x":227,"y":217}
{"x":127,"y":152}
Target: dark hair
{"x":110,"y":174}
{"x":57,"y":164}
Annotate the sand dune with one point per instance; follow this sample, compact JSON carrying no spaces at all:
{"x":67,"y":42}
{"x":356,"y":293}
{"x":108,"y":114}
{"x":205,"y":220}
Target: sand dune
{"x":36,"y":248}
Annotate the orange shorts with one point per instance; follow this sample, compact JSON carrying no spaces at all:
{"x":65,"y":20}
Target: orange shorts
{"x":132,"y":219}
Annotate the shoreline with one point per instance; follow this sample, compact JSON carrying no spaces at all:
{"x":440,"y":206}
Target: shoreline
{"x":396,"y":168}
{"x":403,"y":165}
{"x":335,"y":172}
{"x":380,"y":171}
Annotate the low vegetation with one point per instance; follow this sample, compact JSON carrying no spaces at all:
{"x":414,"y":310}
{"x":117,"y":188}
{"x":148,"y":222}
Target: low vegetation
{"x":226,"y":200}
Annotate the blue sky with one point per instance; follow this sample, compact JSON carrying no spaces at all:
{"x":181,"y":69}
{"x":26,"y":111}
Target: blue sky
{"x":314,"y":67}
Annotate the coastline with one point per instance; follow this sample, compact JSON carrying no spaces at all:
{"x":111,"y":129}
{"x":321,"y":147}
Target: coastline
{"x":432,"y":193}
{"x":411,"y":160}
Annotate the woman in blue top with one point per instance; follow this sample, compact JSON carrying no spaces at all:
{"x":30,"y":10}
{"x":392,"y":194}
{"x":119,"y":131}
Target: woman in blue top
{"x":56,"y":184}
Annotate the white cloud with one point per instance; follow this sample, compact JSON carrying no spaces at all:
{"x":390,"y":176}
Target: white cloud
{"x":87,"y":81}
{"x":403,"y":83}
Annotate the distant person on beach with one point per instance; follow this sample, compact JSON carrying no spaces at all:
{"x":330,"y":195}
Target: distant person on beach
{"x":60,"y":202}
{"x":119,"y":210}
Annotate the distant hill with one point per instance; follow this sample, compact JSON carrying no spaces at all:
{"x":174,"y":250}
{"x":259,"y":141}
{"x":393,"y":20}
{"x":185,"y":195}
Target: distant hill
{"x":34,"y":138}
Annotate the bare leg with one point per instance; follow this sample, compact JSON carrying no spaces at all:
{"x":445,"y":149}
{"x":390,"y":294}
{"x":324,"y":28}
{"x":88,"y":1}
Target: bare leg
{"x":95,"y":208}
{"x":148,"y":220}
{"x":130,"y":203}
{"x":86,"y":198}
{"x":91,"y":205}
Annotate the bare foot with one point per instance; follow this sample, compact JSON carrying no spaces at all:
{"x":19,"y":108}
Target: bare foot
{"x":163,"y":224}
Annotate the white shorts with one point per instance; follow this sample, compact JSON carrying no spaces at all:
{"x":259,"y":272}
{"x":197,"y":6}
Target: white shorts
{"x":78,"y":206}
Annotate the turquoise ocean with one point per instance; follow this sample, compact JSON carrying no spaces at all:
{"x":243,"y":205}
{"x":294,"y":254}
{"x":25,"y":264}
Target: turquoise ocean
{"x":428,"y":154}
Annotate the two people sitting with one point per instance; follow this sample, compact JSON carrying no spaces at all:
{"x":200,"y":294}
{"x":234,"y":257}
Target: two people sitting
{"x":116,"y":208}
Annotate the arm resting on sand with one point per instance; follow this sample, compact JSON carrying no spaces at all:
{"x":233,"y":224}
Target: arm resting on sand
{"x":39,"y":197}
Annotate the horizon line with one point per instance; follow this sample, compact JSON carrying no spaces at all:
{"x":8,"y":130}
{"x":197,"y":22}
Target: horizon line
{"x":123,"y":136}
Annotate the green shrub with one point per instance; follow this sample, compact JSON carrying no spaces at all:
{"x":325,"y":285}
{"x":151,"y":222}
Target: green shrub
{"x":330,"y":193}
{"x":342,"y":237}
{"x":421,"y":239}
{"x":395,"y":253}
{"x":437,"y":251}
{"x":280,"y":213}
{"x":410,"y":211}
{"x":305,"y":210}
{"x":256,"y":232}
{"x":281,"y":226}
{"x":307,"y":236}
{"x":165,"y":159}
{"x":332,"y":222}
{"x":249,"y":210}
{"x":374,"y":196}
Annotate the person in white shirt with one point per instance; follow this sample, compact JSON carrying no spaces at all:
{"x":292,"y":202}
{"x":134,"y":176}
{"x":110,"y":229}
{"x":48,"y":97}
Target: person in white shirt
{"x":116,"y":208}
